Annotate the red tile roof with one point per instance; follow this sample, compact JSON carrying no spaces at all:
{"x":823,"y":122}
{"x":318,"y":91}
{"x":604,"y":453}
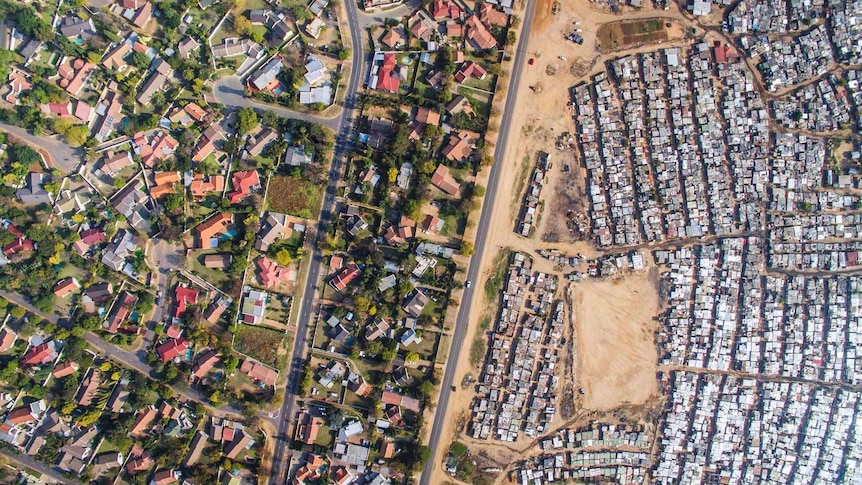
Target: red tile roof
{"x":65,"y":369}
{"x":469,"y":69}
{"x":259,"y":372}
{"x":444,"y":181}
{"x":201,"y":187}
{"x":478,"y":33}
{"x":20,"y":416}
{"x":65,"y":286}
{"x":7,"y":339}
{"x":41,"y":354}
{"x":18,"y":245}
{"x":443,"y":9}
{"x":184,"y":296}
{"x":271,"y":274}
{"x":386,"y":81}
{"x":348,"y":274}
{"x":172,"y":349}
{"x":244,"y":183}
{"x":204,"y":362}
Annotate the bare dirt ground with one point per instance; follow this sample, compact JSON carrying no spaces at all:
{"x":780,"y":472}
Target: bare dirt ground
{"x":616,"y":352}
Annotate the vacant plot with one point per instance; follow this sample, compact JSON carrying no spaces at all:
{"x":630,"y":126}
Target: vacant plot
{"x":296,"y":197}
{"x":259,"y":343}
{"x":616,"y":353}
{"x":630,"y":33}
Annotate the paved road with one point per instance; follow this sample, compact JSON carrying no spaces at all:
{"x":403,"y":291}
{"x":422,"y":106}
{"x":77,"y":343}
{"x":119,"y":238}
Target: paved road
{"x":229,"y":91}
{"x":63,"y":156}
{"x":440,"y":416}
{"x":343,"y":128}
{"x":25,"y":461}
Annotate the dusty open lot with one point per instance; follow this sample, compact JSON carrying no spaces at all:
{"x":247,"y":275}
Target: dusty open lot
{"x":616,"y":350}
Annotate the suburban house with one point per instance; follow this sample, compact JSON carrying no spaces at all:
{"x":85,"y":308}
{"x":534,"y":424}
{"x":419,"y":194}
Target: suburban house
{"x":444,"y":181}
{"x":479,"y":35}
{"x":253,"y":307}
{"x":210,"y":231}
{"x":415,"y":303}
{"x":345,"y":276}
{"x":65,"y":287}
{"x":202,"y":185}
{"x":244,"y":183}
{"x":460,"y":146}
{"x":33,"y":192}
{"x":172,"y":349}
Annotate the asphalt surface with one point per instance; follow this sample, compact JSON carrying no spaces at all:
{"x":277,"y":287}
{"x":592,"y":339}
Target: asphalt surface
{"x":343,"y":128}
{"x":26,"y":461}
{"x":461,"y":324}
{"x":63,"y":156}
{"x":230,"y":92}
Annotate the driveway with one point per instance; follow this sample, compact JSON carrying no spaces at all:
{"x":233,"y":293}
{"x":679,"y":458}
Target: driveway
{"x":62,"y":155}
{"x":230,"y":92}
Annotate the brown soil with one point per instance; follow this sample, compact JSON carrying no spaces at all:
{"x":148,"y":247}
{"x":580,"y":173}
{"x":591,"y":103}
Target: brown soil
{"x":616,"y":351}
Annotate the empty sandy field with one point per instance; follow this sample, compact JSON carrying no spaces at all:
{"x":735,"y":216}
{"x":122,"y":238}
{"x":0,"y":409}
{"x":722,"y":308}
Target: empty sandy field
{"x":616,"y":352}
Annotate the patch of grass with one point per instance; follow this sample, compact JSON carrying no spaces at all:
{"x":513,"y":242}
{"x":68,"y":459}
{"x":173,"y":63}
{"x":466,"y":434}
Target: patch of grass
{"x":492,"y":290}
{"x":324,"y":436}
{"x":217,"y":277}
{"x":521,"y":178}
{"x":479,"y":346}
{"x":495,"y":281}
{"x":296,"y":197}
{"x":259,"y":343}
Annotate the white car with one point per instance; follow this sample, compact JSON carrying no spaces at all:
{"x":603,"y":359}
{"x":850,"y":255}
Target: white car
{"x":469,"y":283}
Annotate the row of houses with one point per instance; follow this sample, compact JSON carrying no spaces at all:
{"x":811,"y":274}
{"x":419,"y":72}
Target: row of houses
{"x":653,"y":152}
{"x":517,"y":388}
{"x":793,"y":326}
{"x":530,"y":209}
{"x":729,"y":429}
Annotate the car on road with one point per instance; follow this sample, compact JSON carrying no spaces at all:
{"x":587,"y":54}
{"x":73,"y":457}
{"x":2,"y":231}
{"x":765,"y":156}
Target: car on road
{"x":469,"y":283}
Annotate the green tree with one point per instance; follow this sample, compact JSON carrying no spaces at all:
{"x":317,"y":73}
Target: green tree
{"x":467,"y":248}
{"x":362,"y":304}
{"x":173,"y":202}
{"x":246,"y":120}
{"x":139,"y":60}
{"x":241,"y":25}
{"x":282,"y":257}
{"x":77,"y":135}
{"x":269,"y":119}
{"x":17,"y":312}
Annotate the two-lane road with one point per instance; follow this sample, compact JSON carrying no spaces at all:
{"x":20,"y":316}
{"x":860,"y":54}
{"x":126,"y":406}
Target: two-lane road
{"x":343,"y":131}
{"x":463,"y":320}
{"x":229,"y":91}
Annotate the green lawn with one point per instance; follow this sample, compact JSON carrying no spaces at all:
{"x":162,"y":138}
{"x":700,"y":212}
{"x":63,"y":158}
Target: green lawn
{"x":324,"y":436}
{"x":217,"y":277}
{"x":425,"y":348}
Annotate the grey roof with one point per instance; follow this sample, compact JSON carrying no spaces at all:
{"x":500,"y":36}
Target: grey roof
{"x":34,"y":193}
{"x":267,"y":73}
